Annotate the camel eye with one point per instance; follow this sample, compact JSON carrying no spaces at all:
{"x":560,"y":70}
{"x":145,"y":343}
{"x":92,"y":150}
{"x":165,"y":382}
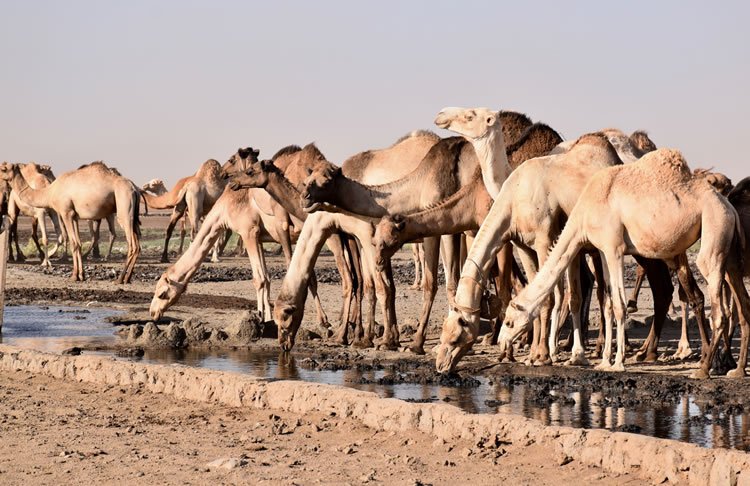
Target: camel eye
{"x":164,"y":294}
{"x":309,"y":171}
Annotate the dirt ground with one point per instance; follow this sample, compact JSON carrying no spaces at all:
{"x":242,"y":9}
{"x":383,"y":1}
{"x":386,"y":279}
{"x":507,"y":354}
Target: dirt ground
{"x":57,"y":431}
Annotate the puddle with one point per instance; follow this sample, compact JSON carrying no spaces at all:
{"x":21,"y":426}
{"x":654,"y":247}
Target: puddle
{"x":53,"y":329}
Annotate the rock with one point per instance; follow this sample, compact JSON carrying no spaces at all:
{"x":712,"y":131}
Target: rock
{"x":308,"y":335}
{"x":130,"y":352}
{"x":74,"y":351}
{"x":227,"y":463}
{"x":134,"y":332}
{"x":561,"y":459}
{"x":151,"y":333}
{"x":466,"y":452}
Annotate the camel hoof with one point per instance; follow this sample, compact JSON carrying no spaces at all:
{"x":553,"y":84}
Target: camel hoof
{"x":386,"y":344}
{"x":632,"y":306}
{"x":578,"y":360}
{"x":164,"y":259}
{"x":682,"y":354}
{"x":619,"y":367}
{"x":603,"y":366}
{"x":415,"y":287}
{"x":363,"y":343}
{"x":736,"y":373}
{"x":699,"y":374}
{"x":416,"y":349}
{"x":542,"y":361}
{"x":647,"y":357}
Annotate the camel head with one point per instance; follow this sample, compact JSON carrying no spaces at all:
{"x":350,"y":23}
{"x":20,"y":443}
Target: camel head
{"x":517,"y":320}
{"x":166,"y":293}
{"x":288,"y":318}
{"x":8,"y":171}
{"x":387,"y":238}
{"x":255,"y":176}
{"x":155,"y":186}
{"x":457,"y":338}
{"x":239,"y":162}
{"x":473,"y":123}
{"x":320,"y":184}
{"x":717,"y":180}
{"x":642,"y":141}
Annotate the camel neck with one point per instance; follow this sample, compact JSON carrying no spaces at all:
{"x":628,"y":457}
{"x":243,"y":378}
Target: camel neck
{"x":35,"y":198}
{"x":162,"y":201}
{"x":493,"y":159}
{"x":283,"y":191}
{"x":458,"y":213}
{"x":357,"y":198}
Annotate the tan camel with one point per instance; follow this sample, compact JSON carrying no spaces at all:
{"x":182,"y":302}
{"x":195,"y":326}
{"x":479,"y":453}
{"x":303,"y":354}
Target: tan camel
{"x":38,"y":177}
{"x":615,"y":215}
{"x":196,"y":194}
{"x":449,"y":165}
{"x":73,"y":197}
{"x":465,"y":210}
{"x":239,"y":211}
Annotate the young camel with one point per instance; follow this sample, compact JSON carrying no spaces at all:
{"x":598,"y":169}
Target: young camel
{"x":239,"y":211}
{"x":463,"y":211}
{"x":74,"y":197}
{"x":615,"y":215}
{"x":449,"y":165}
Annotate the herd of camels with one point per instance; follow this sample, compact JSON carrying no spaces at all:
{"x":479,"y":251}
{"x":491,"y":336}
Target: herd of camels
{"x":571,"y":210}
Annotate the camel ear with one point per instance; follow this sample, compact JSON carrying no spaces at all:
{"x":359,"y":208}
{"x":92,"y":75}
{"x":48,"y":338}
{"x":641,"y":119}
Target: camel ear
{"x":289,"y":309}
{"x":167,"y":279}
{"x":309,"y":171}
{"x":266,"y":164}
{"x":491,"y":120}
{"x":256,"y":152}
{"x":398,"y":222}
{"x":400,"y":225}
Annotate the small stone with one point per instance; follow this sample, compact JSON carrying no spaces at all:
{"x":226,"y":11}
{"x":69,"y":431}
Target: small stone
{"x":227,"y":463}
{"x":74,"y":351}
{"x":349,"y":450}
{"x":466,"y":452}
{"x":562,"y":459}
{"x":438,"y":442}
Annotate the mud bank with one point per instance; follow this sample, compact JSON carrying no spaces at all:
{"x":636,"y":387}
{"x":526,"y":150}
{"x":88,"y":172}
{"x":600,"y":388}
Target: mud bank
{"x":656,"y":460}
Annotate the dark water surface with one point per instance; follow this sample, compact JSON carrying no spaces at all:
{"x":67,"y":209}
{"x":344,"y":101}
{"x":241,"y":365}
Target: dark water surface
{"x":53,"y":329}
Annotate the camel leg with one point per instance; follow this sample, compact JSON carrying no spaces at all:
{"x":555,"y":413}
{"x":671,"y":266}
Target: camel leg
{"x":660,"y":281}
{"x":94,"y":227}
{"x":450,"y":248}
{"x":112,"y":235}
{"x":607,"y":310}
{"x":13,"y":225}
{"x":696,"y":299}
{"x":684,"y":350}
{"x":615,"y":262}
{"x":503,"y":284}
{"x":432,"y":255}
{"x":44,"y":240}
{"x":573,"y":277}
{"x":384,"y":292}
{"x":349,"y":245}
{"x":415,"y":254}
{"x":261,"y":282}
{"x":542,"y":357}
{"x":742,"y":305}
{"x":347,"y":287}
{"x":71,"y":224}
{"x":183,"y":235}
{"x":177,"y":213}
{"x":35,"y":237}
{"x":640,"y":274}
{"x":358,"y":283}
{"x":602,"y":298}
{"x":530,"y":266}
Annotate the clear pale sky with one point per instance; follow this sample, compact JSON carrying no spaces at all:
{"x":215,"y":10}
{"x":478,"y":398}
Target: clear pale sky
{"x":157,"y":87}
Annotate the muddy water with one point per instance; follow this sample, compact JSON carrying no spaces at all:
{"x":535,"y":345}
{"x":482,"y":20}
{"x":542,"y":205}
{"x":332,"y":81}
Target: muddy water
{"x":56,"y":328}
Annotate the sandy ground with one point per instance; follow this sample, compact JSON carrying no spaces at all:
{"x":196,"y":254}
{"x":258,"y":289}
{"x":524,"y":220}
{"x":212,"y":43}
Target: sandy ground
{"x":57,"y":432}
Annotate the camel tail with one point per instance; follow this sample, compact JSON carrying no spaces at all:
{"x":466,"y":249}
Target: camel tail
{"x":739,"y":243}
{"x":136,"y":213}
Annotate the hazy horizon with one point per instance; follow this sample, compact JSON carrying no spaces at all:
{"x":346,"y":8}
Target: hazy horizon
{"x":156,"y":88}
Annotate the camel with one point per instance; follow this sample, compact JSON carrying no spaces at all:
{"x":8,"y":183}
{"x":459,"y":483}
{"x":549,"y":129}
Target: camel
{"x":197,"y":194}
{"x":615,"y":215}
{"x":73,"y":197}
{"x":464,"y":210}
{"x":38,"y":177}
{"x":239,"y":211}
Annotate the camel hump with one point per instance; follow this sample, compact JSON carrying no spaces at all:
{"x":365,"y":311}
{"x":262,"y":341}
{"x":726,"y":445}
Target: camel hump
{"x":667,"y":162}
{"x":211,"y":167}
{"x":288,"y":150}
{"x":417,"y":133}
{"x":100,"y":165}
